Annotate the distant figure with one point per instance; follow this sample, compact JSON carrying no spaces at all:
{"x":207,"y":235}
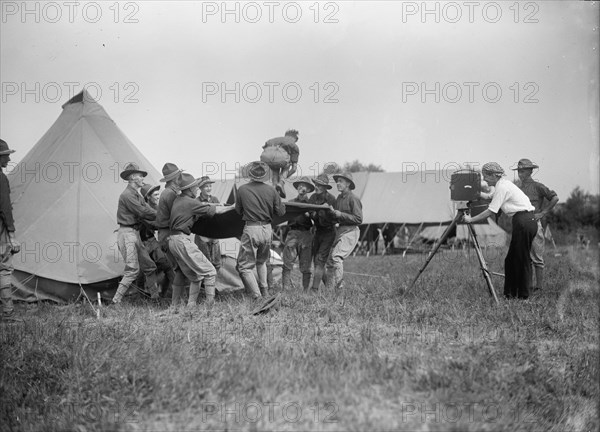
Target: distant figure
{"x":582,"y":240}
{"x":299,"y":240}
{"x":257,"y":202}
{"x":348,"y":214}
{"x":513,"y":202}
{"x":8,"y":243}
{"x":281,"y":154}
{"x":131,"y":212}
{"x":537,"y":193}
{"x":324,"y":228}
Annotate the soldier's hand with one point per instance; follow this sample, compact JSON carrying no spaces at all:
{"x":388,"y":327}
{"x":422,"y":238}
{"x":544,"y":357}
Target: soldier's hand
{"x":291,"y":171}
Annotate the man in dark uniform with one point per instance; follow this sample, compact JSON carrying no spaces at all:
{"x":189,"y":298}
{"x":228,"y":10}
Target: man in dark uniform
{"x":348,"y":214}
{"x":324,"y":228}
{"x":8,"y":242}
{"x":191,"y":263}
{"x":298,"y":242}
{"x":537,"y":193}
{"x":281,"y":154}
{"x":151,"y":195}
{"x":131,"y":211}
{"x":171,"y":175}
{"x":257,"y":202}
{"x":209,"y":247}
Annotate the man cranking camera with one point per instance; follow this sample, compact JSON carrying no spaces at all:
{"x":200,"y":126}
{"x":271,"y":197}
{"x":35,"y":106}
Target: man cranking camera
{"x":512,"y":201}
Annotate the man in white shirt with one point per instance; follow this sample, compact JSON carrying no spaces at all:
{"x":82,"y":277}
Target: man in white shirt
{"x":512,"y":201}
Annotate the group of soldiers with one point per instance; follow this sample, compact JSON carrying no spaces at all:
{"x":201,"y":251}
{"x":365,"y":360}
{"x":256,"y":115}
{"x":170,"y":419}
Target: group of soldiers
{"x":155,"y":228}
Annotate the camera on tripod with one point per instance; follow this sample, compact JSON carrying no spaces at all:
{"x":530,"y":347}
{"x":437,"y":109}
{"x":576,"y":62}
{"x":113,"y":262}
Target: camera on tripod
{"x":465,"y":185}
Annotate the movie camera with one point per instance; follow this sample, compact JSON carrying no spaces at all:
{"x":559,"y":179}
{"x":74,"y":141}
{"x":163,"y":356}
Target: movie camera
{"x":465,"y":188}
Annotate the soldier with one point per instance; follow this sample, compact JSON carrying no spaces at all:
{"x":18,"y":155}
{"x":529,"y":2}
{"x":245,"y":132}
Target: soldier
{"x":191,"y":263}
{"x":171,"y":175}
{"x":8,"y":242}
{"x":348,"y":214}
{"x":281,"y":154}
{"x":298,"y":242}
{"x":324,"y":228}
{"x":131,"y":211}
{"x":537,"y":193}
{"x":151,"y":195}
{"x":257,"y":202}
{"x":209,"y":247}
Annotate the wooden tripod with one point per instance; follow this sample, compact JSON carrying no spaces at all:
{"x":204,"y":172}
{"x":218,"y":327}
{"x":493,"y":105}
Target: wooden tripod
{"x":484,"y":268}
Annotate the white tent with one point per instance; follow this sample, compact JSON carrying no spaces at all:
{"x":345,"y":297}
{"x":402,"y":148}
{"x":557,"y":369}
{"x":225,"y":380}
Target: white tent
{"x":65,"y":192}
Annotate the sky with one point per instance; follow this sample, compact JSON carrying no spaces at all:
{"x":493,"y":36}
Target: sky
{"x":403,"y":85}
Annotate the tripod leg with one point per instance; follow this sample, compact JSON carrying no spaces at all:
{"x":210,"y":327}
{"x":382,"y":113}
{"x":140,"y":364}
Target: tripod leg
{"x":482,"y":263}
{"x":436,"y":246}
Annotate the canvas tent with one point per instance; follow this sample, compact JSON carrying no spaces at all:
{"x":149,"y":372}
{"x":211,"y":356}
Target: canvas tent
{"x":65,"y":192}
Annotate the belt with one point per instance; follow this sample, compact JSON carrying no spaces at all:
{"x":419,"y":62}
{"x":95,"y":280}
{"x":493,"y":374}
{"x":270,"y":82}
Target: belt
{"x":331,"y":228}
{"x":298,"y":228}
{"x":523,"y":212}
{"x":135,"y":227}
{"x":257,"y":223}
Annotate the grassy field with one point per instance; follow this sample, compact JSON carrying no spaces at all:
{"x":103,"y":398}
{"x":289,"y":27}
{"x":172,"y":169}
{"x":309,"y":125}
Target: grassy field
{"x":442,"y":357}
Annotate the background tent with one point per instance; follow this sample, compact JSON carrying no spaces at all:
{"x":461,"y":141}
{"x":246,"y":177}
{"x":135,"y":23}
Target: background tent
{"x":65,"y":193}
{"x":489,"y":234}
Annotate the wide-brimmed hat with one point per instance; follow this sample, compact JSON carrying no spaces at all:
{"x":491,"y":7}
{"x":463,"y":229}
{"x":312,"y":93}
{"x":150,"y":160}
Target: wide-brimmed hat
{"x":4,"y":150}
{"x":322,"y":180}
{"x":204,"y":180}
{"x":306,"y":181}
{"x":148,"y":190}
{"x":187,"y":181}
{"x":267,"y":304}
{"x":170,"y":172}
{"x":492,"y":167}
{"x":525,"y":164}
{"x":347,"y":176}
{"x":132,"y":168}
{"x":257,"y":171}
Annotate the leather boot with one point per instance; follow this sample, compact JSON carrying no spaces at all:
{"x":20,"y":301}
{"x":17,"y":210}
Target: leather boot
{"x":286,"y":279}
{"x":250,"y":284}
{"x":264,"y":291}
{"x":121,"y":291}
{"x":210,"y":295}
{"x":306,"y":281}
{"x":177,"y":296}
{"x":539,"y":278}
{"x":329,"y":279}
{"x":194,"y":292}
{"x":319,"y":276}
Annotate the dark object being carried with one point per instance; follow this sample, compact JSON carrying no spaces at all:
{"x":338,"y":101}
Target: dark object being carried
{"x":230,"y":224}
